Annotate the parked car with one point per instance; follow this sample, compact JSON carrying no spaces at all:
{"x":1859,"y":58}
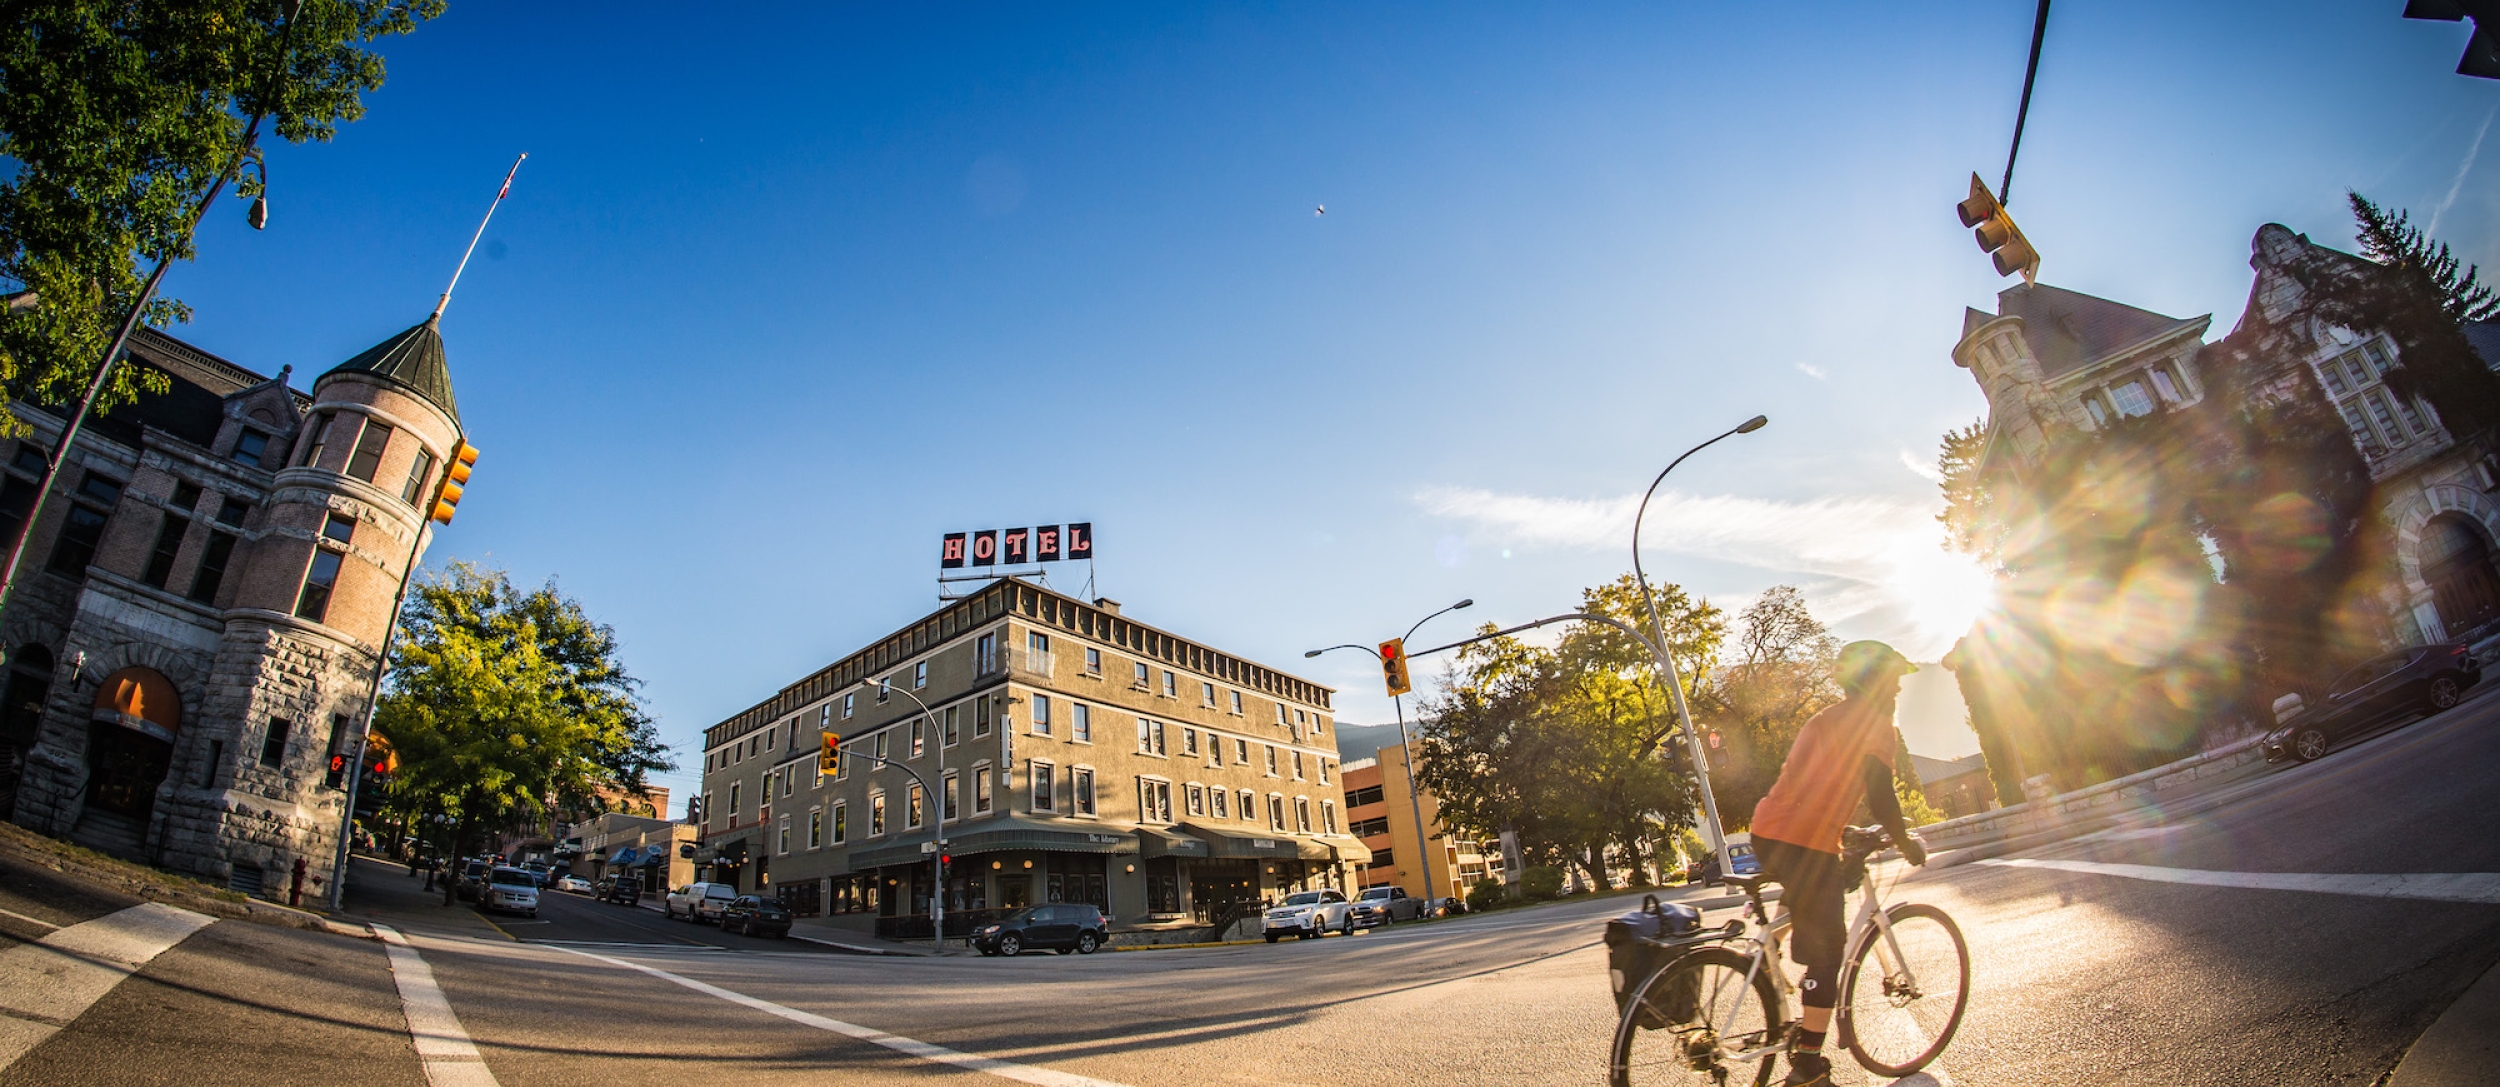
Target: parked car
{"x":472,"y":879}
{"x":1451,"y":906}
{"x":622,"y":890}
{"x":1385,"y":906}
{"x":2423,"y":679}
{"x":700,"y":902}
{"x":1067,"y":927}
{"x":574,"y":885}
{"x":514,"y":889}
{"x":538,"y":872}
{"x":1306,"y":914}
{"x":755,"y":915}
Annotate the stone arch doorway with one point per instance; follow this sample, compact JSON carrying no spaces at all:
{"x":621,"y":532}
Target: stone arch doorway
{"x":130,"y":746}
{"x":2457,"y":563}
{"x":22,"y":696}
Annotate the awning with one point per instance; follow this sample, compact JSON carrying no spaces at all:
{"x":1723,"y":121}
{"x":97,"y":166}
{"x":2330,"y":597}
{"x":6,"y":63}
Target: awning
{"x":1233,"y":843}
{"x":1001,"y":835}
{"x":1350,"y":851}
{"x":627,"y":855}
{"x":1158,"y":842}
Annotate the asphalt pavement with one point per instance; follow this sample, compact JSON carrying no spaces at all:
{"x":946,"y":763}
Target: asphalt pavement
{"x":2304,"y":926}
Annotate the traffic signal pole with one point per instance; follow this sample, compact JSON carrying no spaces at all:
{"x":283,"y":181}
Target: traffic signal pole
{"x":1393,"y":657}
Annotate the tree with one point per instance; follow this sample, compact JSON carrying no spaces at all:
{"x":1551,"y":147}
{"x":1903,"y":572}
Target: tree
{"x":118,"y":117}
{"x":506,"y":706}
{"x":2410,"y":289}
{"x":1780,"y":677}
{"x":2392,"y":240}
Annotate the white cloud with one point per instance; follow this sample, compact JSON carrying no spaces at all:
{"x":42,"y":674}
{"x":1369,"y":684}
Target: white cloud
{"x":1811,"y":370}
{"x":2457,"y":185}
{"x":1874,"y":559}
{"x":1924,"y":470}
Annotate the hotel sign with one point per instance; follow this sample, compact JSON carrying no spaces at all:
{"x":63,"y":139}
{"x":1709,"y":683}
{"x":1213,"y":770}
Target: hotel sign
{"x":1017,"y":546}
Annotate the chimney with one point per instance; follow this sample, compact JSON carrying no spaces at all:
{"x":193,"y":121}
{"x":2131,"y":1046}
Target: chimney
{"x":1107,"y":604}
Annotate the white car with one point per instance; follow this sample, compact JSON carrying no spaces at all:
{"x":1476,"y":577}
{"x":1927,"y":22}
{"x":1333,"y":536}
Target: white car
{"x":513,"y":889}
{"x":573,"y":885}
{"x":1309,"y":913}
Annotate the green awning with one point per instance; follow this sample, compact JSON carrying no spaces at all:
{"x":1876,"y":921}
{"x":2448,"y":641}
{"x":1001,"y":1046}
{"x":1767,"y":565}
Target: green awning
{"x":1158,"y":842}
{"x":1233,"y":843}
{"x":1350,"y":851}
{"x":1002,"y":835}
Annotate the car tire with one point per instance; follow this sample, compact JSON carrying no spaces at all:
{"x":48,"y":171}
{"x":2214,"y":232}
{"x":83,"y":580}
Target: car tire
{"x":1346,"y":927}
{"x":1011,"y":945}
{"x":1305,"y":934}
{"x":2308,"y":744}
{"x":1272,"y":937}
{"x":1086,"y":943}
{"x":2446,"y":692}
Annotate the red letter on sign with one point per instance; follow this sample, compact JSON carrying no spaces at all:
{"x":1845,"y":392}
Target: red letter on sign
{"x":953,"y":556}
{"x":1081,"y":540}
{"x":1046,"y":543}
{"x":1017,"y":550}
{"x":985,"y":548}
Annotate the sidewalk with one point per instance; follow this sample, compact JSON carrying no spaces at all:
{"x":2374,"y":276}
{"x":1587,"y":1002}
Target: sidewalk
{"x":2462,"y":1045}
{"x":379,"y":890}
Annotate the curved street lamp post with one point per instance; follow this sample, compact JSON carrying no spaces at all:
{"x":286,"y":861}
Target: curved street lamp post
{"x":1415,"y":806}
{"x":937,"y":804}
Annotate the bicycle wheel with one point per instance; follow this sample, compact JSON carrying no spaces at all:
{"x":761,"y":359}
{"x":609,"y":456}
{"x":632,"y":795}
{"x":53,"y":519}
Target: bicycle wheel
{"x":1898,"y":1009}
{"x":1681,"y":1023}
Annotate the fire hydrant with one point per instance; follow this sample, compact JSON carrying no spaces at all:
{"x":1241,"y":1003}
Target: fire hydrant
{"x":295,"y":886}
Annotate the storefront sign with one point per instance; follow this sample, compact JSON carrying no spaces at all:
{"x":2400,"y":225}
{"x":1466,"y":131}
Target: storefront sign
{"x":1017,"y":546}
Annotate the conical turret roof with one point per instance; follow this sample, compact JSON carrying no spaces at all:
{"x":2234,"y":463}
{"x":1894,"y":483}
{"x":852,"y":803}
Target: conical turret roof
{"x":412,"y":360}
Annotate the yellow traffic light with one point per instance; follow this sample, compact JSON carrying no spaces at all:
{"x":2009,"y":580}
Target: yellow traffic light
{"x":447,"y":502}
{"x":1393,"y":666}
{"x":1997,"y":234}
{"x":829,"y":756}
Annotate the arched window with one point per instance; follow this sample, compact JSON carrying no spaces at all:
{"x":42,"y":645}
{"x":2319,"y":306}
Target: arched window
{"x":141,"y":699}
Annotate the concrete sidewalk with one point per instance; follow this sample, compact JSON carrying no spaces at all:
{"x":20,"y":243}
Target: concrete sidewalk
{"x":2462,"y":1047}
{"x":380,"y":890}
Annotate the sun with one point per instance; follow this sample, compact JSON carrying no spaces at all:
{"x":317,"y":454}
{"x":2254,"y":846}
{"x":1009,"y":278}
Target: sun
{"x":1941,"y":592}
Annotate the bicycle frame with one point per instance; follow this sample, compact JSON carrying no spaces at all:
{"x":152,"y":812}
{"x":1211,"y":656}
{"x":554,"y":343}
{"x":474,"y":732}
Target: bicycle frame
{"x":1871,"y":922}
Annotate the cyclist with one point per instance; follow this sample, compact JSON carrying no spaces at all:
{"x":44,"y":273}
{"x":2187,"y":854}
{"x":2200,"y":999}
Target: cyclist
{"x":1841,"y":756}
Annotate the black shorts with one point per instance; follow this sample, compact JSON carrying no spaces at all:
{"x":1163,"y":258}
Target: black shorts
{"x":1810,"y":886}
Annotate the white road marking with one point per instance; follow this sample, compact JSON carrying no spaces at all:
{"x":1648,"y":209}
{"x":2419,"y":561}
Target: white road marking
{"x":1021,"y":1073}
{"x":28,"y":920}
{"x":451,"y":1059}
{"x":2476,"y":887}
{"x":46,"y":985}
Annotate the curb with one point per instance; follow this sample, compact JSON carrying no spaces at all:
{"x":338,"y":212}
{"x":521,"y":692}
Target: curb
{"x":858,"y":950}
{"x":2461,"y":1045}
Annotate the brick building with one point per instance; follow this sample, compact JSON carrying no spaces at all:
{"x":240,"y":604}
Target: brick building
{"x":1381,"y":803}
{"x":1079,"y":756}
{"x":194,"y":626}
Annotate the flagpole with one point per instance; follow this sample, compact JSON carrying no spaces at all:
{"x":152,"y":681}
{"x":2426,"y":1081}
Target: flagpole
{"x":445,"y":303}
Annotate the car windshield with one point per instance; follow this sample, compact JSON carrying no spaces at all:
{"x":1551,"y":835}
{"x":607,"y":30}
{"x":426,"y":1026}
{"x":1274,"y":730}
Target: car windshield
{"x":512,"y":877}
{"x":1306,"y":898}
{"x":1024,"y":915}
{"x":1376,"y":892}
{"x":717,"y":891}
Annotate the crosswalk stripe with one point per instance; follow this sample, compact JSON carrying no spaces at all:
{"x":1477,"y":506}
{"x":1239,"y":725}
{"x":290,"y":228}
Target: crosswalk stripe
{"x":48,"y":984}
{"x":2475,"y":887}
{"x":451,"y":1059}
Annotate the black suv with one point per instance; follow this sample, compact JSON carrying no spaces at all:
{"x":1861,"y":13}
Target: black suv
{"x":755,"y":915}
{"x":622,"y":890}
{"x":2423,"y":679}
{"x":1067,"y":927}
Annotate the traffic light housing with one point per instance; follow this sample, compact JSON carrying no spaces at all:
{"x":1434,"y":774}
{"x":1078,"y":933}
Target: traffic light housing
{"x":1393,"y":666}
{"x":1998,"y":236}
{"x":829,"y":754}
{"x":2482,"y":49}
{"x":455,"y":480}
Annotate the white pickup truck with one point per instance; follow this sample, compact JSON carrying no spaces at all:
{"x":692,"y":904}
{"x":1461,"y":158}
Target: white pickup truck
{"x":1306,"y":914}
{"x":1384,"y":906}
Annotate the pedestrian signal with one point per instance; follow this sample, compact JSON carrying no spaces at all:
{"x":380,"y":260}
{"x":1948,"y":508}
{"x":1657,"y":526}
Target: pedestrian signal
{"x":1393,"y":666}
{"x":1997,"y":234}
{"x":829,"y":756}
{"x":455,"y":480}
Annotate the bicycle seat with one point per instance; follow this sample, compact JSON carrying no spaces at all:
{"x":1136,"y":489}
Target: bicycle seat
{"x":1751,"y":885}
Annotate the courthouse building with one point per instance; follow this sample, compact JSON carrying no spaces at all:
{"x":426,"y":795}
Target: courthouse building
{"x":1078,"y":756}
{"x":192,"y":633}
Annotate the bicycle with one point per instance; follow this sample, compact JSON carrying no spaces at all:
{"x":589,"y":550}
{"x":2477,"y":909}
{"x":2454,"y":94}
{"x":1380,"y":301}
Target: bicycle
{"x":1691,"y":1021}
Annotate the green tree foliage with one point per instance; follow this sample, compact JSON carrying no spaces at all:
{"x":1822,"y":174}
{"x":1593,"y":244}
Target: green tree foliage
{"x":1563,"y":744}
{"x":2393,"y":241}
{"x":507,"y":706}
{"x":1778,"y":675}
{"x":118,"y":116}
{"x":2411,"y":290}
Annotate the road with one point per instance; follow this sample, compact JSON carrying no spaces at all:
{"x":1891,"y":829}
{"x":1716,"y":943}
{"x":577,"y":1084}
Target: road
{"x":2264,"y":953}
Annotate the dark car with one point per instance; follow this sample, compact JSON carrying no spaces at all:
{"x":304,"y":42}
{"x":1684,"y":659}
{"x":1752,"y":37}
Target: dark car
{"x":755,"y":915}
{"x":622,"y":890}
{"x":1066,"y":927}
{"x":2423,"y":679}
{"x":472,"y":879}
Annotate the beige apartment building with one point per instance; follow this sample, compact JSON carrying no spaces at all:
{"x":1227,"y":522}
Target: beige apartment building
{"x":1078,"y":756}
{"x":1380,"y":814}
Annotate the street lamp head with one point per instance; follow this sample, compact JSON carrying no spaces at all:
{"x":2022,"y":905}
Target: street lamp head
{"x":1315,"y":652}
{"x":1467,"y":603}
{"x":1753,"y":424}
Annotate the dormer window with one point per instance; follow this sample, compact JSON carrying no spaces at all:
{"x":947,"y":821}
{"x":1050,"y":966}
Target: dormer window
{"x":249,"y":446}
{"x":2131,"y":399}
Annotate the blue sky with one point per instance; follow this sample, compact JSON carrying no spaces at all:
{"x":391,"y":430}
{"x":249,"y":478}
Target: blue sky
{"x":783,"y":296}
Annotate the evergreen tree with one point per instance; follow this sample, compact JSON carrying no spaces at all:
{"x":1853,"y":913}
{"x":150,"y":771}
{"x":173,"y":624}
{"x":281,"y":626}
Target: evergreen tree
{"x":2392,"y":240}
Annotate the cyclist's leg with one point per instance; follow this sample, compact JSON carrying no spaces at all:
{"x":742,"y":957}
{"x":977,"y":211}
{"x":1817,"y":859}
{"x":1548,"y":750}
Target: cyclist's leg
{"x":1810,"y":887}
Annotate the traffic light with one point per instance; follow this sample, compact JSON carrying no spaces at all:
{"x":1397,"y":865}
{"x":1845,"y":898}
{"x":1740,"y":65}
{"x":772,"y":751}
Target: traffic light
{"x":2482,"y":50}
{"x":463,"y":460}
{"x":1997,"y":234}
{"x":1393,"y":666}
{"x":829,"y":756}
{"x":338,"y":770}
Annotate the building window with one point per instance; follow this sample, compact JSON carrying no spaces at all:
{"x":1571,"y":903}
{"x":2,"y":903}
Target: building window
{"x":319,"y":578}
{"x":1368,"y":828}
{"x":985,"y":654}
{"x":273,"y":743}
{"x":815,"y":828}
{"x":319,"y":434}
{"x":981,"y":716}
{"x":733,"y":801}
{"x":946,"y":797}
{"x":1276,"y":812}
{"x":954,"y":725}
{"x":1093,"y":661}
{"x":1302,"y":815}
{"x":1045,"y":786}
{"x":1236,"y":703}
{"x":920,"y":675}
{"x":2092,"y":403}
{"x":249,"y":445}
{"x":1323,"y":770}
{"x":1171,"y":685}
{"x":1149,"y":736}
{"x":914,"y":807}
{"x":707,"y":811}
{"x":1081,"y":789}
{"x":1222,"y":808}
{"x":1037,"y":653}
{"x":919,"y":737}
{"x":1189,"y":741}
{"x":876,"y":814}
{"x":1249,"y":806}
{"x":369,"y":447}
{"x":981,"y":789}
{"x":1041,"y":715}
{"x":91,"y":505}
{"x":1297,"y":766}
{"x":849,"y":703}
{"x":339,"y":528}
{"x":169,"y":534}
{"x":1206,"y":694}
{"x":1154,"y":801}
{"x":882,"y":736}
{"x":1241,"y":752}
{"x":2131,"y":399}
{"x":781,"y":838}
{"x":1080,"y":722}
{"x":1328,"y":816}
{"x":841,"y":822}
{"x":1197,"y":799}
{"x":418,"y":470}
{"x":785,"y":781}
{"x":1140,"y":681}
{"x":1271,"y":760}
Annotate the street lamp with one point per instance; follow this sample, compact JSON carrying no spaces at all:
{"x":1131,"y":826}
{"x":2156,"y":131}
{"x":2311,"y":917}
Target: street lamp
{"x":1658,"y":641}
{"x":1423,"y":838}
{"x":937,"y":801}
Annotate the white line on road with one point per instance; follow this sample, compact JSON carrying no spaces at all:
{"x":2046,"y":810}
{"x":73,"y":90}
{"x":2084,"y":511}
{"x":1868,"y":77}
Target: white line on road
{"x":2477,"y":887}
{"x":1021,"y":1073}
{"x":48,"y":984}
{"x":451,"y":1059}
